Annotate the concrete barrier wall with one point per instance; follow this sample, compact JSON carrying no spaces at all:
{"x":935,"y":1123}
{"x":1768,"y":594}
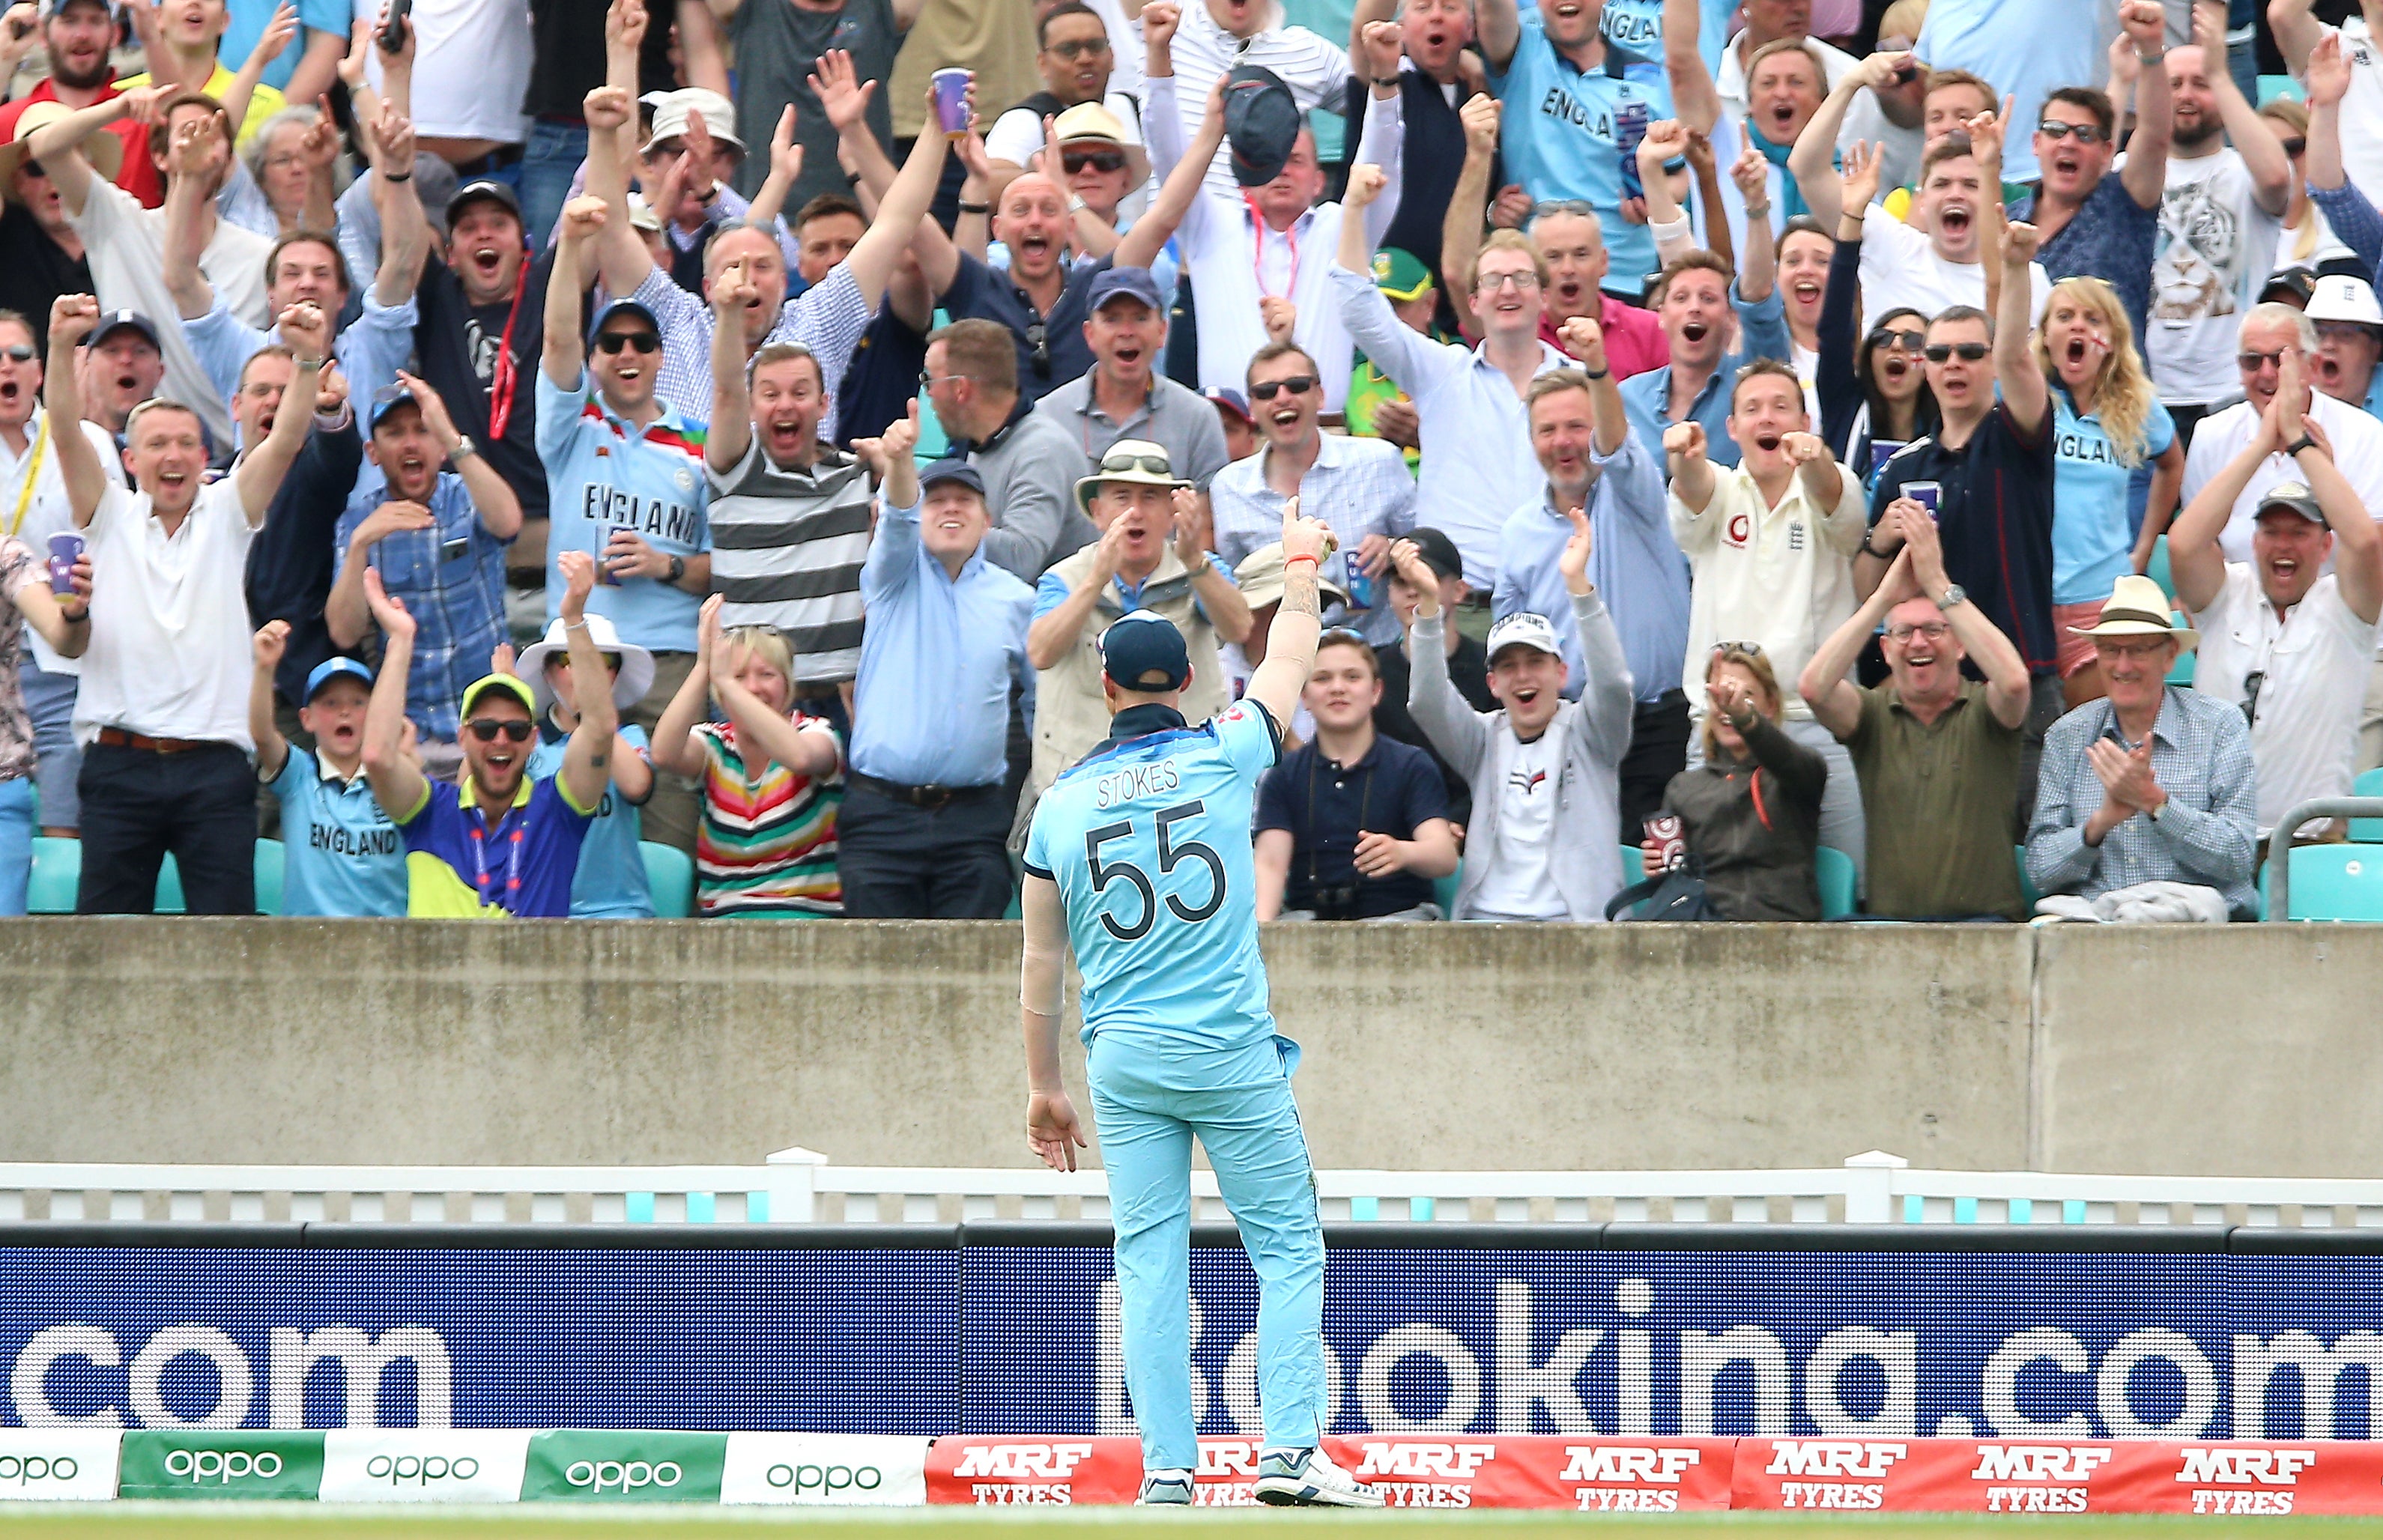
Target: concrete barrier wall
{"x":2243,"y":1052}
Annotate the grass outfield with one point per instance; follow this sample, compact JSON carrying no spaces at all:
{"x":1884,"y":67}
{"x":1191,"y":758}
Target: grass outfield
{"x":133,"y":1520}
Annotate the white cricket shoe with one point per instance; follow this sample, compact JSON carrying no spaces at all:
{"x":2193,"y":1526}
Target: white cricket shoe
{"x":1166,"y":1489}
{"x":1308,"y":1478}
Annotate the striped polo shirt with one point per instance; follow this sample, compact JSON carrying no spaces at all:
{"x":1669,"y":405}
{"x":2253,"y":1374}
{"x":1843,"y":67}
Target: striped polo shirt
{"x":787,"y":545}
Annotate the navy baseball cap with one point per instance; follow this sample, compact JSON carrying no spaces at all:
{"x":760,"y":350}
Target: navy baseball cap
{"x":1438,"y":552}
{"x":1142,"y":651}
{"x":113,"y":321}
{"x":958,"y":471}
{"x":483,"y":191}
{"x":618,"y":307}
{"x":1232,"y":400}
{"x":1135,"y":283}
{"x":335,"y":668}
{"x":1262,"y":123}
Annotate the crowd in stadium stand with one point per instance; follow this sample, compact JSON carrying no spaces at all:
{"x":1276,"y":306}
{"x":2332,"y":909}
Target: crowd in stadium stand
{"x":1788,"y":458}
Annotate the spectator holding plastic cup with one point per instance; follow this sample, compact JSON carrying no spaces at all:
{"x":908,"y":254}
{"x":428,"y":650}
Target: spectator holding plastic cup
{"x":55,"y":595}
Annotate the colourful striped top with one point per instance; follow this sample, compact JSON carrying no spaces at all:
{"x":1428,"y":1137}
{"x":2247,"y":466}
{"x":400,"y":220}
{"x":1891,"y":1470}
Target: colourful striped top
{"x":768,"y":841}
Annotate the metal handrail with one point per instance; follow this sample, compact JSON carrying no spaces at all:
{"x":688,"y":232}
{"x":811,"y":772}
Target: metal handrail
{"x":2279,"y":843}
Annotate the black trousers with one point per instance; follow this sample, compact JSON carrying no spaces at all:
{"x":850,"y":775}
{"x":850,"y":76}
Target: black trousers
{"x":898,"y":861}
{"x":1659,"y":750}
{"x":137,"y":805}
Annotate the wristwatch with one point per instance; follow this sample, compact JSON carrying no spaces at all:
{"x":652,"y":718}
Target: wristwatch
{"x":1076,"y":205}
{"x":2304,"y":441}
{"x":464,"y":448}
{"x":677,"y":568}
{"x":1954,"y":593}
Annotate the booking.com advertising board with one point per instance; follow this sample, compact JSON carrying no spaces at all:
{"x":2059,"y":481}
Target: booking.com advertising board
{"x":1425,"y":1341}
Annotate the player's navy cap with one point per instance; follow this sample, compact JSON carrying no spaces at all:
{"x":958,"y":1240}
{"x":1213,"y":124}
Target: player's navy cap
{"x":1144,"y":651}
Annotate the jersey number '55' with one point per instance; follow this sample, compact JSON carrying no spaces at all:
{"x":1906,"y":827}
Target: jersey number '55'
{"x":1171,"y":856}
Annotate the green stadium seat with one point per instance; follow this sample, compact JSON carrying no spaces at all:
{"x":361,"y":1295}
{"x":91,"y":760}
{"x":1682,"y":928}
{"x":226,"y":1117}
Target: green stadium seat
{"x":269,"y":854}
{"x":1834,"y":872}
{"x":2337,"y":882}
{"x":2367,"y":831}
{"x":669,"y":875}
{"x":58,"y":871}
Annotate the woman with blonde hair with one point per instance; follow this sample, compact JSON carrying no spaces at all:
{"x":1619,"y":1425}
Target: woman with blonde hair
{"x":773,"y":777}
{"x":1751,"y":811}
{"x":2109,"y":423}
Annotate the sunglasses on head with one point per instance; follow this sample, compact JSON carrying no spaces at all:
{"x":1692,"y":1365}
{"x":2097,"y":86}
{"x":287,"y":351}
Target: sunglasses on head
{"x":487,"y":729}
{"x":1905,"y":341}
{"x":640,"y":341}
{"x":1971,"y":352}
{"x":1298,"y":385}
{"x":1097,"y":160}
{"x":2087,"y":133}
{"x":1153,"y":464}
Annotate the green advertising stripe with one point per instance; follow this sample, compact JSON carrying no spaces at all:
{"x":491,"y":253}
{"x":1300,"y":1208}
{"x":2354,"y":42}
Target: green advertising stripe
{"x":591,"y":1465}
{"x":228,"y":1463}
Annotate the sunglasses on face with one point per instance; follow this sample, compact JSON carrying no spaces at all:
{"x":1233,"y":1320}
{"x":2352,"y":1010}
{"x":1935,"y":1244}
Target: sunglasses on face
{"x":640,"y":341}
{"x":17,"y":353}
{"x":2250,"y":362}
{"x":2087,"y":133}
{"x":1902,"y":341}
{"x":32,"y":168}
{"x":487,"y":730}
{"x":1298,"y":385}
{"x":1079,"y":47}
{"x":1097,"y":160}
{"x":2295,"y":146}
{"x":1971,"y":352}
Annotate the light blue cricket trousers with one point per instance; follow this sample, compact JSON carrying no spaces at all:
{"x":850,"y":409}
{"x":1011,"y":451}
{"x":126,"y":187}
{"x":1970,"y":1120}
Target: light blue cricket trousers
{"x":1149,"y":1100}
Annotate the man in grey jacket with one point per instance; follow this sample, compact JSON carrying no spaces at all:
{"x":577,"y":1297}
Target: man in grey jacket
{"x":1545,"y":771}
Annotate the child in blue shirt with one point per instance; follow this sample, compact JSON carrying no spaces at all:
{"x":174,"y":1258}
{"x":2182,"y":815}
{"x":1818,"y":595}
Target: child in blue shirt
{"x":341,"y":855}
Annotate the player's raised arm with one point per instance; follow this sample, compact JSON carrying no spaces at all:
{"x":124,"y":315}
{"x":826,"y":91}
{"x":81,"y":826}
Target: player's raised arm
{"x":1052,"y":1130}
{"x":1291,"y":643}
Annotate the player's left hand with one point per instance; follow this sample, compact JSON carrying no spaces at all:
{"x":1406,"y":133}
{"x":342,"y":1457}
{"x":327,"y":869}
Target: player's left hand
{"x":1052,"y":1131}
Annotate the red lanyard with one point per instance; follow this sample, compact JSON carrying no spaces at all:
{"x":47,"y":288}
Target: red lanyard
{"x":502,"y":387}
{"x":513,"y":860}
{"x":1257,"y":257}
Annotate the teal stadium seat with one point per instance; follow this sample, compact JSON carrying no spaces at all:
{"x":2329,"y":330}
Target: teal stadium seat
{"x":2272,"y":87}
{"x":1834,"y":872}
{"x":2157,"y":570}
{"x":2027,"y":887}
{"x":2337,"y":882}
{"x":269,"y":854}
{"x":2180,"y":673}
{"x":169,"y":888}
{"x":669,"y":875}
{"x":58,"y":871}
{"x":1443,"y":891}
{"x":2367,"y":831}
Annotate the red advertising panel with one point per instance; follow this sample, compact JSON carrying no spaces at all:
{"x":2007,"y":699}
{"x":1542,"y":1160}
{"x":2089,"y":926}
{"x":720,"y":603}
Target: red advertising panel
{"x":993,"y":1472}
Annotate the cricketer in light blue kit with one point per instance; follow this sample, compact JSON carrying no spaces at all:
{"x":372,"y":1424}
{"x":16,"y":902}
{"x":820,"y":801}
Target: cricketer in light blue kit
{"x":1140,"y":858}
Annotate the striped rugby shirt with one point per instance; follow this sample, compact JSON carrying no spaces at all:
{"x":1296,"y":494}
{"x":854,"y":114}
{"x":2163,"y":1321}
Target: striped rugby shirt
{"x":788,"y":547}
{"x":602,"y":474}
{"x":767,"y":844}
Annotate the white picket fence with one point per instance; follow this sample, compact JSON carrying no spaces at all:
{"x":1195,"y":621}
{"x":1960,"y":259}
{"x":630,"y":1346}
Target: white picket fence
{"x":801,"y":1186}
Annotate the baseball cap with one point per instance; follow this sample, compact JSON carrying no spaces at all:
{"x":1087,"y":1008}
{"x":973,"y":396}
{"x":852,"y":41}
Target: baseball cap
{"x":517,"y":688}
{"x":1438,"y":552}
{"x":1261,"y":122}
{"x":2293,"y":286}
{"x":114,"y":321}
{"x":1142,"y":651}
{"x":2294,"y":495}
{"x":482,"y":192}
{"x":1232,"y":400}
{"x":1400,"y":275}
{"x":1524,"y":629}
{"x":619,"y":307}
{"x":958,"y":471}
{"x":1134,"y":283}
{"x":385,"y":400}
{"x":2343,"y":298}
{"x":335,"y":668}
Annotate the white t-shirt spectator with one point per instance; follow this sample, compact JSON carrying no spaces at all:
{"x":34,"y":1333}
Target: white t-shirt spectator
{"x":1315,"y":70}
{"x":471,"y":69}
{"x":1520,"y":884}
{"x":2316,"y":663}
{"x":1901,"y":266}
{"x":2215,"y":248}
{"x":127,"y":246}
{"x":170,"y":635}
{"x":2357,"y":454}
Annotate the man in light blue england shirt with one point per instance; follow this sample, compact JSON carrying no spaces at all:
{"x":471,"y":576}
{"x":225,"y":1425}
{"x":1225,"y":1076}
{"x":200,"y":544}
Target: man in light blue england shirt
{"x":924,"y":827}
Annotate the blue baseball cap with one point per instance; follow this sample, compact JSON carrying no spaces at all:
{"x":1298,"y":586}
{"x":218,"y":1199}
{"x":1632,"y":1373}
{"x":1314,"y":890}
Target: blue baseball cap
{"x":385,"y":400}
{"x":1134,"y":283}
{"x":1232,"y":400}
{"x":621,"y":307}
{"x":1142,"y":651}
{"x":334,"y":668}
{"x":958,"y":471}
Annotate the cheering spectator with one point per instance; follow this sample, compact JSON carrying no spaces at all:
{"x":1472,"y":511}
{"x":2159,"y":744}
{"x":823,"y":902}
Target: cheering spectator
{"x":76,"y":38}
{"x":1122,"y":395}
{"x":2345,"y":209}
{"x":1874,"y":395}
{"x":1468,"y":402}
{"x":773,"y":777}
{"x":1756,"y":853}
{"x":127,"y":243}
{"x":42,"y":255}
{"x":2223,"y":208}
{"x":2107,"y":422}
{"x":2339,"y":66}
{"x":184,"y":47}
{"x":627,"y":485}
{"x":1802,"y":264}
{"x":1772,"y":543}
{"x":1938,"y":754}
{"x":121,"y":365}
{"x":1350,"y":826}
{"x":2349,"y":340}
{"x":1073,"y":55}
{"x":1696,"y":297}
{"x":1594,"y":463}
{"x":1357,"y":487}
{"x":505,"y":841}
{"x":1233,"y":416}
{"x":2152,"y":784}
{"x":29,"y":591}
{"x":30,"y":480}
{"x":284,"y":176}
{"x":1988,"y":470}
{"x":1243,"y":247}
{"x":437,"y":537}
{"x":1028,"y":463}
{"x":1543,"y":840}
{"x":1148,"y":558}
{"x":1437,"y":79}
{"x":163,"y":711}
{"x":2028,"y":48}
{"x":611,"y":883}
{"x":1568,"y":91}
{"x":1467,"y":660}
{"x":1215,"y":37}
{"x":923,"y":827}
{"x":341,"y":856}
{"x":2291,"y":641}
{"x":1879,"y":103}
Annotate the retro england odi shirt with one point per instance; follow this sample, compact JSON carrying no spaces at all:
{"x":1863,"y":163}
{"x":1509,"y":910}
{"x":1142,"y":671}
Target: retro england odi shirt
{"x":603,"y":474}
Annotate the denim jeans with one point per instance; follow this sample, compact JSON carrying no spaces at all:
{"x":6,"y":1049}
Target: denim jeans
{"x":549,"y":162}
{"x":50,"y":701}
{"x":16,"y":843}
